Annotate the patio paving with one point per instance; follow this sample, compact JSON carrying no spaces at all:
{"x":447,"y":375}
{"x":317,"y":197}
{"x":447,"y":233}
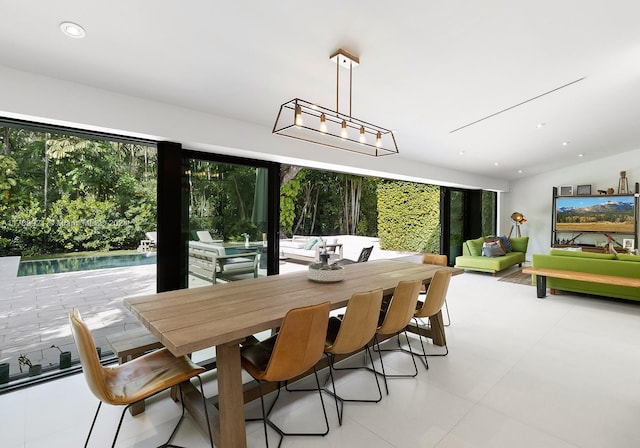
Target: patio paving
{"x":34,"y":309}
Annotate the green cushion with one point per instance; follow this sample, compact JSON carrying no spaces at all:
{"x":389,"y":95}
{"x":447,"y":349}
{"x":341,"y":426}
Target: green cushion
{"x":311,"y":243}
{"x":628,"y":257}
{"x":520,"y":244}
{"x":580,"y":254}
{"x":475,"y":246}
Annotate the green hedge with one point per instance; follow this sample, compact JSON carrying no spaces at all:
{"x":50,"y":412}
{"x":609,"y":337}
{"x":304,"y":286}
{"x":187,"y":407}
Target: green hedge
{"x":409,"y":216}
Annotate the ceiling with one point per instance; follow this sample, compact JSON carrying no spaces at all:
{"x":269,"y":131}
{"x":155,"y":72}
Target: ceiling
{"x":463,"y":83}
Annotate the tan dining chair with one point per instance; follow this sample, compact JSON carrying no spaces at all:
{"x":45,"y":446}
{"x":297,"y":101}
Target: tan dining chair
{"x":432,"y":305}
{"x":440,"y":260}
{"x":351,"y":333}
{"x":295,"y":349}
{"x":140,"y":378}
{"x":395,"y":319}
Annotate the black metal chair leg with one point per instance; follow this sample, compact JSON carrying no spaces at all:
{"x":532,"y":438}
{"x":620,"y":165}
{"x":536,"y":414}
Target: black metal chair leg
{"x":93,"y":423}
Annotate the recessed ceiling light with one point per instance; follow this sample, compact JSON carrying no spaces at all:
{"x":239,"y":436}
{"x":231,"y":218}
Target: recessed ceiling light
{"x":539,"y":125}
{"x":495,"y":163}
{"x":580,"y":155}
{"x":565,"y":143}
{"x":519,"y":171}
{"x":460,"y":153}
{"x":73,"y":30}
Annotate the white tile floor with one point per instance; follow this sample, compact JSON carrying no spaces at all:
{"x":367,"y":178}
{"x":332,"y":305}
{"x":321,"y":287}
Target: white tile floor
{"x":522,"y":372}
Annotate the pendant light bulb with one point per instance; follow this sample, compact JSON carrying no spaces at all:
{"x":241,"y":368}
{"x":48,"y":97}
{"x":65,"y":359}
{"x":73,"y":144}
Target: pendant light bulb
{"x":323,"y":123}
{"x":298,"y":118}
{"x":363,"y":137}
{"x":343,"y":132}
{"x":378,"y":140}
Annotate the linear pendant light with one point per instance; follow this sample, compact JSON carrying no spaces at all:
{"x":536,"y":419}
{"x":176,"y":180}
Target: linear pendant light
{"x":304,"y":120}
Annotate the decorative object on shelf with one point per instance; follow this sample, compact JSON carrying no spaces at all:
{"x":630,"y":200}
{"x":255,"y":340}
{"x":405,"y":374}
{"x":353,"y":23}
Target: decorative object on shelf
{"x":623,"y":183}
{"x":610,"y":190}
{"x":518,"y":219}
{"x":310,"y":122}
{"x":602,"y":191}
{"x":4,"y":372}
{"x":65,"y":357}
{"x":566,"y":190}
{"x":325,"y":273}
{"x":584,"y":190}
{"x":24,"y":361}
{"x":609,"y":248}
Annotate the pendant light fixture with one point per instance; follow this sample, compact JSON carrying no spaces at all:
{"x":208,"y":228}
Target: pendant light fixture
{"x":310,"y":122}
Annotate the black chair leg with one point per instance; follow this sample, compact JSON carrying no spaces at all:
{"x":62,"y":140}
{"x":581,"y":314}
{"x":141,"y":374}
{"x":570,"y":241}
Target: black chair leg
{"x":93,"y":423}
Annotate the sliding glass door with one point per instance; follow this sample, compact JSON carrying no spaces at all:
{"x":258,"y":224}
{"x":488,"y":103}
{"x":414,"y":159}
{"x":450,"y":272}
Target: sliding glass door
{"x":230,"y":225}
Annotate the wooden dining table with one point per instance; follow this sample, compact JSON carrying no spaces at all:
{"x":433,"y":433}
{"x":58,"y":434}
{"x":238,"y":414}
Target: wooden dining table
{"x":225,"y":315}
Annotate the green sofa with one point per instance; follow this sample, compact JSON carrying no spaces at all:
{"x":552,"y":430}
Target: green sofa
{"x":622,"y":265}
{"x":473,"y":260}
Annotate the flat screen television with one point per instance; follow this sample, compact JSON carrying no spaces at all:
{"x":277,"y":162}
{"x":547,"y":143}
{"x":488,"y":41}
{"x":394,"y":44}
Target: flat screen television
{"x":615,"y":214}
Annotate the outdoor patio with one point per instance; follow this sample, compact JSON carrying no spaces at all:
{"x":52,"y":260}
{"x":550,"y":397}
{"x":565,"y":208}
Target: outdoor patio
{"x":34,"y":309}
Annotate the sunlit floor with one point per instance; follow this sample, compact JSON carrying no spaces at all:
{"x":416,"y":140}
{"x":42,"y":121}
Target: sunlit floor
{"x":522,"y":372}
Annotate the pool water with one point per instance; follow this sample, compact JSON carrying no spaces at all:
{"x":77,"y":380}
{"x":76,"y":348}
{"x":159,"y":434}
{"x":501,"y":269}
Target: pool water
{"x":58,"y":265}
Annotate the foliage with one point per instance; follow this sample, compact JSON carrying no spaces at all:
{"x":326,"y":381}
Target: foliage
{"x":409,"y":216}
{"x":8,"y":171}
{"x":74,"y":194}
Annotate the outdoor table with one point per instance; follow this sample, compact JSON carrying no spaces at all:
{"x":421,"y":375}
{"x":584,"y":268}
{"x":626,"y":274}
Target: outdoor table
{"x":223,"y":315}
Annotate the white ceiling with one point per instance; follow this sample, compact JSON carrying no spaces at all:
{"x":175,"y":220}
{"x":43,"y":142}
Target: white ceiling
{"x":426,"y":67}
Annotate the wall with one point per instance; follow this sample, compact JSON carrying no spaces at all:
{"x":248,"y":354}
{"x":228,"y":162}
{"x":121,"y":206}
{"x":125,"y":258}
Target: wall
{"x":38,"y":98}
{"x":532,"y":196}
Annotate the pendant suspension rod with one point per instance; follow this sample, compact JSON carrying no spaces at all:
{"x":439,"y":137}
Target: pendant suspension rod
{"x":337,"y":86}
{"x":350,"y":85}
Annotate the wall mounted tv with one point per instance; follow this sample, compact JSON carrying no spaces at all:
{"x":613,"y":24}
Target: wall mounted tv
{"x":615,"y":214}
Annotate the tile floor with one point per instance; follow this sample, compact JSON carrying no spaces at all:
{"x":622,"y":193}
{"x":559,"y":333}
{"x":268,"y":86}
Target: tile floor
{"x":522,"y":372}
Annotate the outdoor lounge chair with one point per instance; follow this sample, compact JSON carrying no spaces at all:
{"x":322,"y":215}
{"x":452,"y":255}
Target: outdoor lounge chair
{"x":205,"y":237}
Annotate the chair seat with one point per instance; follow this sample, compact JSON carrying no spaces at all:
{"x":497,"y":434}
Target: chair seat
{"x":149,"y":374}
{"x":255,"y":358}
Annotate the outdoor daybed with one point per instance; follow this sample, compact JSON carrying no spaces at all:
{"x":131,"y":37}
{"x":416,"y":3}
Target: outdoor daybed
{"x":482,"y":255}
{"x":308,"y":248}
{"x":621,"y":265}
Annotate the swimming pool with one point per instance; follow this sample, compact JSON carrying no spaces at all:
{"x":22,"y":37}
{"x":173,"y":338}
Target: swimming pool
{"x":58,"y":265}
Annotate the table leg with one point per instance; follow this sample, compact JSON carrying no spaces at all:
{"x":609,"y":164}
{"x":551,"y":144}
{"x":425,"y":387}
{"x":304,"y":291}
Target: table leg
{"x":230,"y":396}
{"x":541,"y":286}
{"x":435,"y":333}
{"x":437,"y":329}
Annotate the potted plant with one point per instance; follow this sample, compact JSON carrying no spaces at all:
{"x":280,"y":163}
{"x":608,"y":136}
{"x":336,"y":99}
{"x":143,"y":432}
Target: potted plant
{"x":4,"y":372}
{"x":65,"y":358}
{"x":24,"y":361}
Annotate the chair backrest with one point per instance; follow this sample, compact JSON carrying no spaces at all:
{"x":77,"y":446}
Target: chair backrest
{"x":440,"y":260}
{"x":365,"y":254}
{"x":402,"y":307}
{"x":204,"y":236}
{"x":359,"y":323}
{"x":94,"y":373}
{"x":436,"y":294}
{"x":152,"y":236}
{"x":300,"y":342}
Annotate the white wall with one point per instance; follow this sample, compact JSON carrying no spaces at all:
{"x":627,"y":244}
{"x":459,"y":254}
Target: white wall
{"x":532,"y":196}
{"x":37,"y":98}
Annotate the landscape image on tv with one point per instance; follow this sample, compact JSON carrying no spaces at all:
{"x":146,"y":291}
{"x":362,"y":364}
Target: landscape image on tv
{"x":596,"y":214}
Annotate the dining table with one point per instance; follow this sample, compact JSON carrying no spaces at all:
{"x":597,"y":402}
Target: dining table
{"x":226,"y":315}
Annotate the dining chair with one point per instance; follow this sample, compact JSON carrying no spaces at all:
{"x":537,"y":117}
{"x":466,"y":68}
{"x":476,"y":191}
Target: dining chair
{"x":351,"y":333}
{"x":365,"y":253}
{"x":395,"y":319}
{"x":440,"y":260}
{"x":296,"y":348}
{"x":435,"y":298}
{"x":138,"y":379}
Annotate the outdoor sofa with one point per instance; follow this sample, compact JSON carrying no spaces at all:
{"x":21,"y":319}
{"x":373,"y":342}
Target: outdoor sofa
{"x":308,"y":248}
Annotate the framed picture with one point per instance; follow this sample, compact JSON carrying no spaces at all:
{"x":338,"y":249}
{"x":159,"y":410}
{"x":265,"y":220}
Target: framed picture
{"x":566,"y":190}
{"x":628,"y":244}
{"x":584,"y":190}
